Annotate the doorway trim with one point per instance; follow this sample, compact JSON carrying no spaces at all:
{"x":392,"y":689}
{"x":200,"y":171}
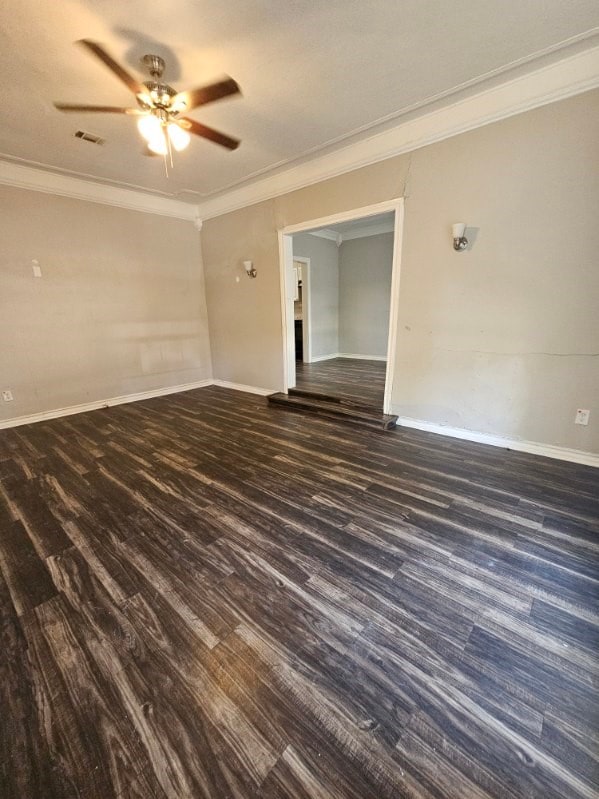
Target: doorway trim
{"x":286,"y":252}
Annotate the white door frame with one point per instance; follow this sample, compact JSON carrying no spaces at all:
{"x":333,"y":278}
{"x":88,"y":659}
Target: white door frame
{"x":286,"y":252}
{"x":306,"y":320}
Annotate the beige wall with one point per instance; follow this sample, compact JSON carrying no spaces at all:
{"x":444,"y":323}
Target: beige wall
{"x":324,"y":292}
{"x":244,"y":314}
{"x":500,"y":339}
{"x":365,"y":267}
{"x":120,"y":307}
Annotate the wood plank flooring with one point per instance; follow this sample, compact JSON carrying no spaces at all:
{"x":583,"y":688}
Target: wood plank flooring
{"x":348,"y":378}
{"x":202,"y":596}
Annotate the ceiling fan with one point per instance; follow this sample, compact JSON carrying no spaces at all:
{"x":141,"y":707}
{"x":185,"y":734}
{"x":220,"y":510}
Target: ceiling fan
{"x":160,"y":107}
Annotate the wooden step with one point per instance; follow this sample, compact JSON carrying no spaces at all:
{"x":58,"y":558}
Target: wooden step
{"x":338,"y":399}
{"x":334,"y":408}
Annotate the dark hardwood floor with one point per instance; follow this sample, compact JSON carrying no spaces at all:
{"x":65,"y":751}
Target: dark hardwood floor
{"x":347,"y":378}
{"x":202,"y":596}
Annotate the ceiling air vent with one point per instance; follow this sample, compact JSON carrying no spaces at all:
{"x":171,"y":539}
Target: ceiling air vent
{"x":90,"y":137}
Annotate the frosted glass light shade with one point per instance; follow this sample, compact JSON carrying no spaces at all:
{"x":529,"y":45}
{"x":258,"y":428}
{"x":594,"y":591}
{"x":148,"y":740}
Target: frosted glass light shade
{"x":458,"y":230}
{"x":157,"y":144}
{"x":179,"y":138}
{"x":149,"y":127}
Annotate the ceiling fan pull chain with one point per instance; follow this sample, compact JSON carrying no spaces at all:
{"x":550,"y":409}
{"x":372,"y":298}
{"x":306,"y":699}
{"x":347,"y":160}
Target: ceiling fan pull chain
{"x":168,"y":144}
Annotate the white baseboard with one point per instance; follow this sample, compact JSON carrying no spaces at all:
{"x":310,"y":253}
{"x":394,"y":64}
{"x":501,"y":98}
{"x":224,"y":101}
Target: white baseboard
{"x":362,"y":357}
{"x":141,"y":395}
{"x":263,"y":392}
{"x":324,"y":357}
{"x":532,"y":447}
{"x":105,"y":403}
{"x":348,"y":355}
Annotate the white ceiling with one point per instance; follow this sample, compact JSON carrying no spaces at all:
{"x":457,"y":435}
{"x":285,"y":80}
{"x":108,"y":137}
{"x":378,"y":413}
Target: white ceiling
{"x":312,"y":74}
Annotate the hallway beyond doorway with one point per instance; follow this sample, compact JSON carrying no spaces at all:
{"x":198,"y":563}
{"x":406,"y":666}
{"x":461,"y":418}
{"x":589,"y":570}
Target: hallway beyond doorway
{"x":347,"y":378}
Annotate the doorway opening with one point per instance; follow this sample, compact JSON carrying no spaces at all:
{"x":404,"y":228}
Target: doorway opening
{"x":339,"y":296}
{"x":301,"y":310}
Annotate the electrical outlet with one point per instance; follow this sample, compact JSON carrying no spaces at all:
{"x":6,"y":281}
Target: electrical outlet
{"x":37,"y":270}
{"x":582,"y":416}
{"x":7,"y":396}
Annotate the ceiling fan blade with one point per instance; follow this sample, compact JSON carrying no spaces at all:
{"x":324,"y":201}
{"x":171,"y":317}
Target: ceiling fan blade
{"x":209,"y":133}
{"x":129,"y":81}
{"x":97,"y":109}
{"x":205,"y":94}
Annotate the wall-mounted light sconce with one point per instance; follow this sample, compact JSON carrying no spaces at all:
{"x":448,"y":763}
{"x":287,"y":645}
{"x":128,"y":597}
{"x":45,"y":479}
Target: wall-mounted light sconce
{"x":249,"y":269}
{"x":460,"y":242}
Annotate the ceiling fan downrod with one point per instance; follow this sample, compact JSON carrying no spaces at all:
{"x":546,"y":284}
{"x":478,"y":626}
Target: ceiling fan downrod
{"x":154,"y":64}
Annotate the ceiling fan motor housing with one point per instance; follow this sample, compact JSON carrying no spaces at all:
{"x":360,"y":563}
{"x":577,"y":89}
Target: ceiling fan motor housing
{"x":160,"y":93}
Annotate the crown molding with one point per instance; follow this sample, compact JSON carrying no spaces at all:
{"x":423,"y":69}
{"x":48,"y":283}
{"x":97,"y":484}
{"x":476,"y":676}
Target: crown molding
{"x":363,"y":231}
{"x":571,"y":75}
{"x":27,"y":177}
{"x":358,"y":232}
{"x":325,"y":233}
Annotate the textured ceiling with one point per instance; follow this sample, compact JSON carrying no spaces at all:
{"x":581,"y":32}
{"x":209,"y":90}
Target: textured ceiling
{"x":312,"y":73}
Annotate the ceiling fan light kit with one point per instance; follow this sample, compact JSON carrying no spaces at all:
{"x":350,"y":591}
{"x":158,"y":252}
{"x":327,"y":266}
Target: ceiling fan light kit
{"x":179,"y":138}
{"x":152,"y":127}
{"x":160,"y":106}
{"x":149,"y":126}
